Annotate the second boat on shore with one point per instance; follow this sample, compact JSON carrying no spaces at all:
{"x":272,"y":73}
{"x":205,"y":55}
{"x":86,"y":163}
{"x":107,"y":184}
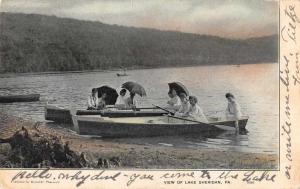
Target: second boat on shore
{"x":19,"y":98}
{"x":62,"y":115}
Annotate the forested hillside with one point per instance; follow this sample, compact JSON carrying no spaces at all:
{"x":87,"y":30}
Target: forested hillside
{"x":36,"y":43}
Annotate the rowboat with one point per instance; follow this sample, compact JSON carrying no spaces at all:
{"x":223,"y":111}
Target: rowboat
{"x":19,"y":98}
{"x":121,"y":74}
{"x":148,"y":126}
{"x":62,"y":115}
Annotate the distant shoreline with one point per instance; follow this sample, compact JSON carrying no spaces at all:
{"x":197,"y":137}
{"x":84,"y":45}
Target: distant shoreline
{"x":9,"y":74}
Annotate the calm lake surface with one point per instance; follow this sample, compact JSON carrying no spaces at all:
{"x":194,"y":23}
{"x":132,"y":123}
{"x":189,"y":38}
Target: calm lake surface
{"x":255,"y":87}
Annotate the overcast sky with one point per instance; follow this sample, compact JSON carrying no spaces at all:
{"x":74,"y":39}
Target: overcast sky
{"x":227,"y":18}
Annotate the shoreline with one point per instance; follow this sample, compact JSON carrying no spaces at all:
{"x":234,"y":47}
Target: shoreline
{"x":115,"y":69}
{"x":140,"y":156}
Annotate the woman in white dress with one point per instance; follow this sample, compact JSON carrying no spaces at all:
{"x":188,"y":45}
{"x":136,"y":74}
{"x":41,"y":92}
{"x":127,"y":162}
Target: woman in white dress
{"x":195,"y":111}
{"x":185,"y":106}
{"x":130,"y":102}
{"x":233,"y":110}
{"x":120,"y":103}
{"x":174,"y":103}
{"x":93,"y":100}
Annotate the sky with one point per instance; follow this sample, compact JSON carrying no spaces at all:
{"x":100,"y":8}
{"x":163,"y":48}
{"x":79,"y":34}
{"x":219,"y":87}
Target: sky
{"x":225,"y":18}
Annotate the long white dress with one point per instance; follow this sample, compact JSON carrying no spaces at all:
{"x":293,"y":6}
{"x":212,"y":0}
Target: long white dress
{"x":233,"y":111}
{"x":174,"y":103}
{"x":92,"y":101}
{"x":183,"y":110}
{"x":120,"y":100}
{"x":130,"y":103}
{"x":196,"y":113}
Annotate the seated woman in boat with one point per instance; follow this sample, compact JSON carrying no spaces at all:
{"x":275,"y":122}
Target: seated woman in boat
{"x":195,"y":112}
{"x":174,"y":103}
{"x":101,"y":102}
{"x":185,"y":106}
{"x":93,"y":100}
{"x":233,"y":110}
{"x":130,"y":102}
{"x":120,"y":103}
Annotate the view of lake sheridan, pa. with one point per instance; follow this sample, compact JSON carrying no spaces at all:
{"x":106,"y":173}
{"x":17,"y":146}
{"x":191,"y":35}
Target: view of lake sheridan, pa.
{"x":200,"y":80}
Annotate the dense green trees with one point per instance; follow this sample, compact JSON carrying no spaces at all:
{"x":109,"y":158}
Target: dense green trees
{"x":35,"y":43}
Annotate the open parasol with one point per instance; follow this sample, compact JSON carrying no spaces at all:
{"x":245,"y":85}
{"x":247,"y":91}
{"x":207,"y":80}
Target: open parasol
{"x":178,"y":87}
{"x":111,"y":94}
{"x":134,"y":87}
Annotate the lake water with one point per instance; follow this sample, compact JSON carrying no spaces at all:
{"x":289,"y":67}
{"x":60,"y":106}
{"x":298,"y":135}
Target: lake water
{"x":255,"y":87}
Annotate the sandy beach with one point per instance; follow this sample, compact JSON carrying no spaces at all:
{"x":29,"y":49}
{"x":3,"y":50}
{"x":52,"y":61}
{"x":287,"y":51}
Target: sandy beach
{"x":137,"y":156}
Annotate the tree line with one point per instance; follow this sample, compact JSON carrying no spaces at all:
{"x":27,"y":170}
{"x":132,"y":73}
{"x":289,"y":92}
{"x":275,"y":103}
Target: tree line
{"x":37,"y":43}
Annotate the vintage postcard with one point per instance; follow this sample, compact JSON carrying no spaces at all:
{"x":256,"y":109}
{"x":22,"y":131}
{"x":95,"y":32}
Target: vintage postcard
{"x":149,"y":94}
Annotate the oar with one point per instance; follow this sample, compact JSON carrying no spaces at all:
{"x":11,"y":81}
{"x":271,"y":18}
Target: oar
{"x":185,"y":119}
{"x":141,"y":108}
{"x":172,"y":115}
{"x":147,"y":108}
{"x":222,"y":127}
{"x":168,"y":111}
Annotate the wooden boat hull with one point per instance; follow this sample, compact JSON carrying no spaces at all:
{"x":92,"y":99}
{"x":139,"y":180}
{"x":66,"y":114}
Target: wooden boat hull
{"x":19,"y":98}
{"x":60,"y":115}
{"x":64,"y":116}
{"x":108,"y":129}
{"x":242,"y":123}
